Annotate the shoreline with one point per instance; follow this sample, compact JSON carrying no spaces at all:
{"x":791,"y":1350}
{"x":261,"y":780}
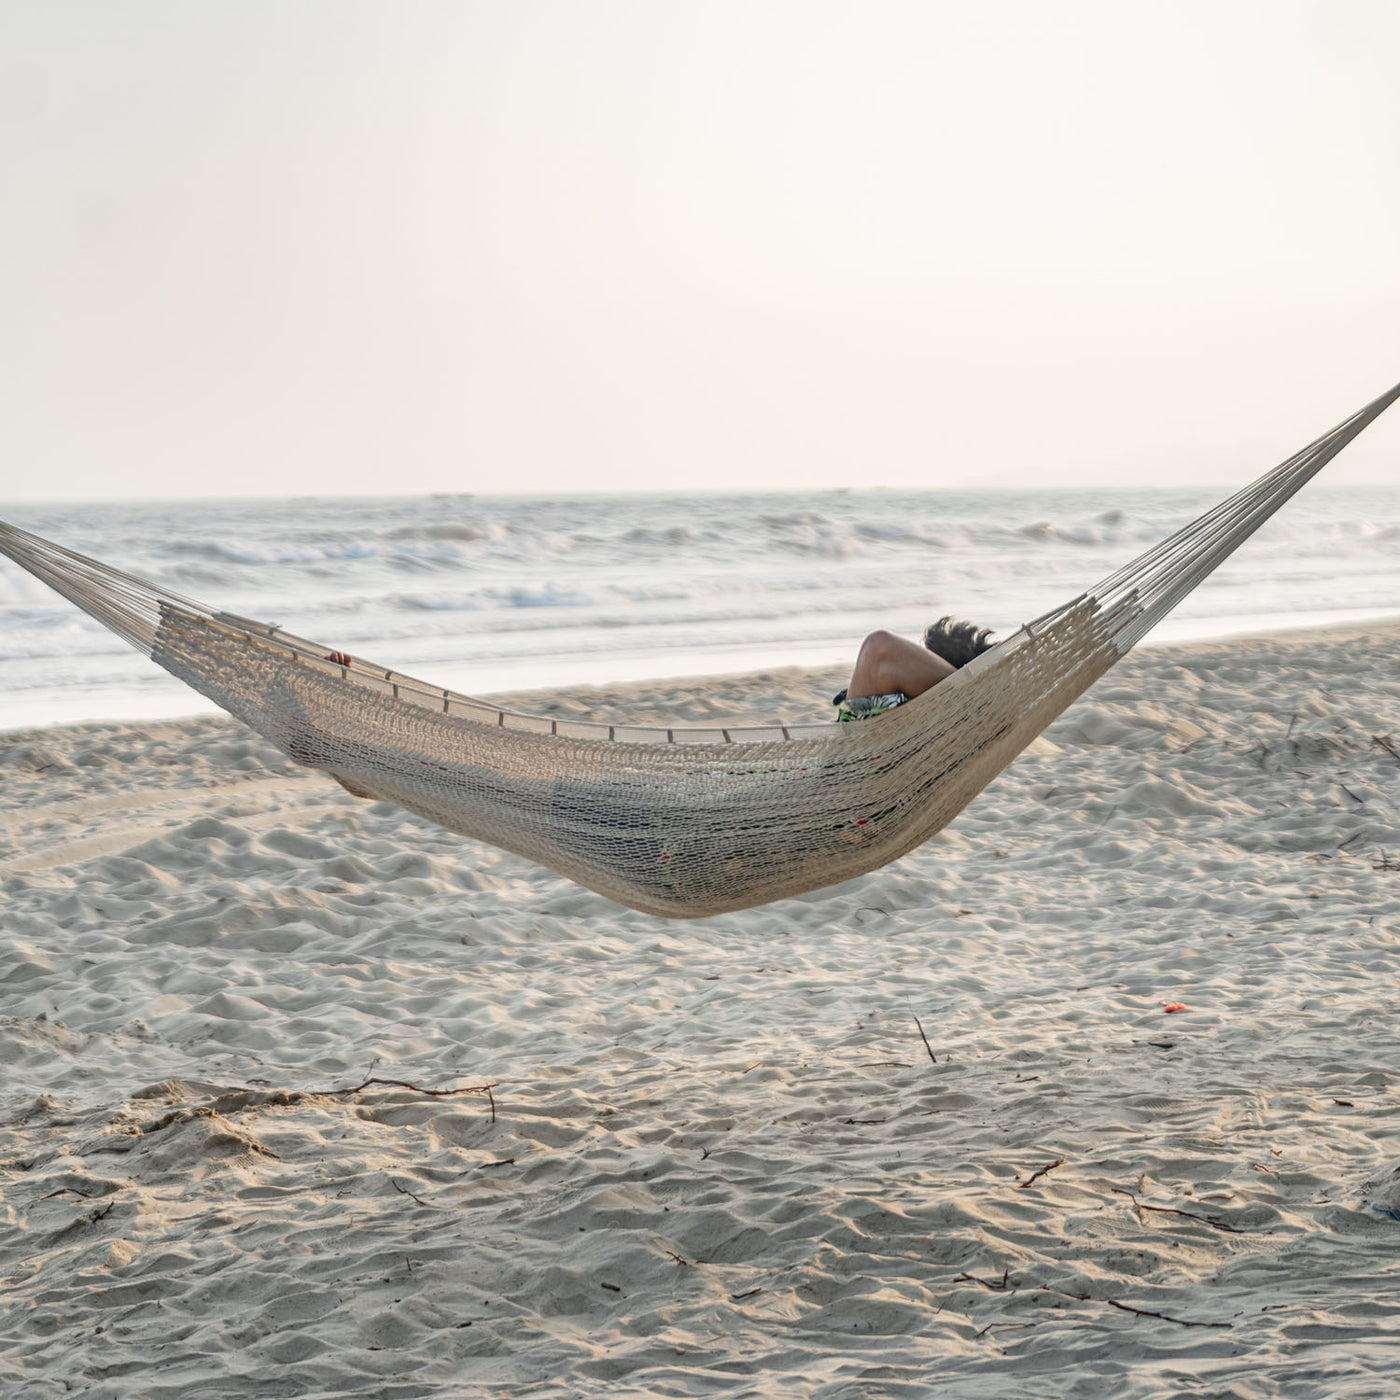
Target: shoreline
{"x":652,"y":698}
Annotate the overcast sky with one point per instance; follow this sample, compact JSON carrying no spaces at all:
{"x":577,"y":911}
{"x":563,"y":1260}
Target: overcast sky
{"x":327,"y":246}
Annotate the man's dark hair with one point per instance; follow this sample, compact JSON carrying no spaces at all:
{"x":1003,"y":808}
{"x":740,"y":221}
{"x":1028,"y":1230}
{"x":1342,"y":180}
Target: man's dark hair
{"x":957,"y":642}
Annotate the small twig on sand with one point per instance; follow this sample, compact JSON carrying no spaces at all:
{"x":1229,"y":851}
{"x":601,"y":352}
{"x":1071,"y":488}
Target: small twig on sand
{"x":404,"y":1191}
{"x":1384,"y":741}
{"x":419,"y":1089}
{"x":1128,"y":1308}
{"x":1004,"y":1285}
{"x":87,"y":1196}
{"x":1141,"y":1206}
{"x":1036,"y":1175}
{"x":1165,"y":1317}
{"x":924,"y":1038}
{"x":1351,"y":794}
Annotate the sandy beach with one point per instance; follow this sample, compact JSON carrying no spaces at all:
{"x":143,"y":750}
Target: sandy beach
{"x":306,"y":1097}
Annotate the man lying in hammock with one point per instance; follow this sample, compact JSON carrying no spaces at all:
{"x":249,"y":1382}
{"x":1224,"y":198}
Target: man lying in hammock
{"x":890,"y":670}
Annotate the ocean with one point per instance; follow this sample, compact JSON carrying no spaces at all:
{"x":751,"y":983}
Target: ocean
{"x":489,"y":593}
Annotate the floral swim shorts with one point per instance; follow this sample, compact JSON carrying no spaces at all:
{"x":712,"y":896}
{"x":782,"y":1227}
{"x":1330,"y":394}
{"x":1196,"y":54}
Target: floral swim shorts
{"x":866,"y":706}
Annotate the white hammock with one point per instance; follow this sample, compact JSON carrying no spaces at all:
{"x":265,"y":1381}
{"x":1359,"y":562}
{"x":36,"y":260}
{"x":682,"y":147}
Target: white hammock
{"x":677,"y":822}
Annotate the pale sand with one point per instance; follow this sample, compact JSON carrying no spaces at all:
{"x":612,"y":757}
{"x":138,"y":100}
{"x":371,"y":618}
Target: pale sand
{"x":721,"y":1162}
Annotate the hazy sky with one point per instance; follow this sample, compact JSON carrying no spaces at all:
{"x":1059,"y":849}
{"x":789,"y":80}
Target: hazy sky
{"x":326,"y":246}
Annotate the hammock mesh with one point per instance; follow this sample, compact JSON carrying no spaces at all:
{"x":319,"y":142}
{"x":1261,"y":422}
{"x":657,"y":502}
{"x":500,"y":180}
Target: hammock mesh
{"x":676,"y":822}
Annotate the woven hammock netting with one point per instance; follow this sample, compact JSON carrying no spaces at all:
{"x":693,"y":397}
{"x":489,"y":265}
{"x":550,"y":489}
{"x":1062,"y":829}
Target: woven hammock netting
{"x":676,"y":822}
